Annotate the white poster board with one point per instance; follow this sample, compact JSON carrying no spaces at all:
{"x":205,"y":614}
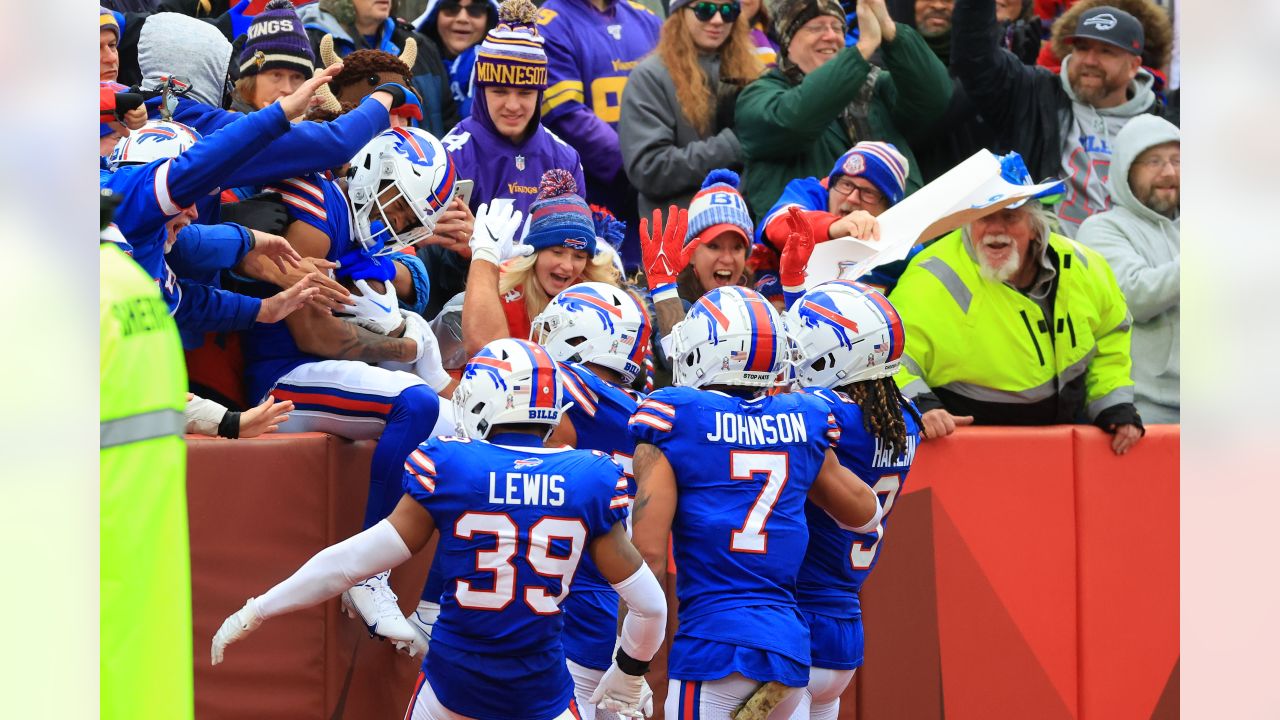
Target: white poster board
{"x":965,"y":193}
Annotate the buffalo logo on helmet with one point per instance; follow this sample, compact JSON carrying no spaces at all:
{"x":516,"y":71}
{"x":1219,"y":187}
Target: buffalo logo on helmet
{"x":818,"y":308}
{"x":713,"y":316}
{"x":414,"y":151}
{"x":485,"y":363}
{"x":154,"y":134}
{"x":588,"y":300}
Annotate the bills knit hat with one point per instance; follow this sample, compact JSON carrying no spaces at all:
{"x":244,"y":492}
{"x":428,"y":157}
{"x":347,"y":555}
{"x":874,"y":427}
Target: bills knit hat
{"x":276,"y":39}
{"x":718,"y":207}
{"x":512,"y":54}
{"x":107,"y":21}
{"x":878,"y":162}
{"x":560,"y":217}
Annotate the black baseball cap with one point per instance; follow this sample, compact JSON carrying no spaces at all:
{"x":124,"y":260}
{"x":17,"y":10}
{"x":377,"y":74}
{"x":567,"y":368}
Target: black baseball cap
{"x":1110,"y":25}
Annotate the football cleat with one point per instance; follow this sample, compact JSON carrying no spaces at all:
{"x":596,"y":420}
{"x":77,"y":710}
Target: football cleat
{"x":373,"y":603}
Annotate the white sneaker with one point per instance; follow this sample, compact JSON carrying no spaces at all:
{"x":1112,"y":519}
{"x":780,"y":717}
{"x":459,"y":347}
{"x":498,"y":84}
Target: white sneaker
{"x":374,"y":604}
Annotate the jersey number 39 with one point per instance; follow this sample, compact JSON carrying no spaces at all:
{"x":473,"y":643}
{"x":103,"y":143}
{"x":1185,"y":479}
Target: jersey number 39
{"x":537,"y":553}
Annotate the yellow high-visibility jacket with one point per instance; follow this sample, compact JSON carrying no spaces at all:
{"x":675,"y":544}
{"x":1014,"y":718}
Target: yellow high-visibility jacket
{"x":145,"y":666}
{"x":987,"y":350}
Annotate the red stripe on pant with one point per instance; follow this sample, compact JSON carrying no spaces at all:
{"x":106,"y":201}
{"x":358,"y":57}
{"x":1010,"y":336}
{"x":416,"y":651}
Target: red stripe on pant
{"x":573,"y":709}
{"x":417,"y":688}
{"x":689,"y":700}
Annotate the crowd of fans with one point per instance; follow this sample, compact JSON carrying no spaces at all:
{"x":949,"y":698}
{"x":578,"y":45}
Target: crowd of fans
{"x":839,"y":110}
{"x":341,"y":206}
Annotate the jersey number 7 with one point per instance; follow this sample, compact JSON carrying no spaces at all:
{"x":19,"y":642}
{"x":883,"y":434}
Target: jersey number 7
{"x":746,"y":465}
{"x":537,"y":553}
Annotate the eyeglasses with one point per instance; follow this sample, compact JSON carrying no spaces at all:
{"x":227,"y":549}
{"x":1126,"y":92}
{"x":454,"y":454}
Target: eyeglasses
{"x":1158,"y":163}
{"x":845,"y":186}
{"x":475,"y":9}
{"x":823,"y":28}
{"x":704,"y":11}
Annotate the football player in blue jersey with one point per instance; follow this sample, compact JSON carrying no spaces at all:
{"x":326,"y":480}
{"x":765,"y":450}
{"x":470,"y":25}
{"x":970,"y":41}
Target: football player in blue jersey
{"x":850,"y":339}
{"x":515,"y":518}
{"x":380,"y":375}
{"x":599,"y":334}
{"x":725,"y":472}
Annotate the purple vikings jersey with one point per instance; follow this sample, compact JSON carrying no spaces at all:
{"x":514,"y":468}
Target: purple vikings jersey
{"x":515,"y":521}
{"x":743,"y":469}
{"x":270,"y":351}
{"x":502,"y":169}
{"x":838,"y":561}
{"x":599,"y":414}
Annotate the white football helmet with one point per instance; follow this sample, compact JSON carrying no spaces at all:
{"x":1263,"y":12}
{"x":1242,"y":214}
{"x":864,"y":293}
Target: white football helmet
{"x":844,"y":332}
{"x":508,"y":381}
{"x":423,"y":174}
{"x":598,"y":323}
{"x":730,"y":336}
{"x":157,"y":140}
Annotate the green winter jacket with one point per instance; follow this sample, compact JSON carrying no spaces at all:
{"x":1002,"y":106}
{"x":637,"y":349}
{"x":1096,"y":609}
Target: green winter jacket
{"x":790,"y":130}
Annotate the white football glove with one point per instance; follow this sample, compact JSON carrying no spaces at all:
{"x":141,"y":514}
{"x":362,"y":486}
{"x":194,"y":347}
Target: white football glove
{"x":373,"y":311}
{"x":493,"y":239}
{"x":244,"y":621}
{"x":429,"y":366}
{"x":627,"y":695}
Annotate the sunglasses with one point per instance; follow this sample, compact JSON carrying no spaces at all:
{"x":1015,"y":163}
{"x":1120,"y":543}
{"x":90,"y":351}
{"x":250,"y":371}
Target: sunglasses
{"x":475,"y":9}
{"x":704,"y":11}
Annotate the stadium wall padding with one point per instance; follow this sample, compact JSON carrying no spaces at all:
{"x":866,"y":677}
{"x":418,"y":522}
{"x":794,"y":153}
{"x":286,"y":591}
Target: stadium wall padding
{"x":1026,"y":573}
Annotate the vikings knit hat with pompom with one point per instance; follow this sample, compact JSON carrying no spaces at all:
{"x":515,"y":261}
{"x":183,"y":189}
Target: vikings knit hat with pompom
{"x":878,"y":162}
{"x":560,"y":217}
{"x":512,"y":54}
{"x":276,"y":39}
{"x":718,"y":207}
{"x":107,"y":21}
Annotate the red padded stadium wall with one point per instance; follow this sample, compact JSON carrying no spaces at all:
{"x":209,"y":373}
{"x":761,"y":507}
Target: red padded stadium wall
{"x":1026,"y":573}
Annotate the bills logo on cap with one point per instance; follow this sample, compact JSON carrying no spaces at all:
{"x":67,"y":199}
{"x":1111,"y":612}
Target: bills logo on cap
{"x":854,"y":164}
{"x":574,"y":243}
{"x":1102,"y":21}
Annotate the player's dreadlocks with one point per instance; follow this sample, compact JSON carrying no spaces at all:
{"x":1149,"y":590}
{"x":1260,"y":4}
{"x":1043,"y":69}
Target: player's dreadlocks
{"x":882,"y":404}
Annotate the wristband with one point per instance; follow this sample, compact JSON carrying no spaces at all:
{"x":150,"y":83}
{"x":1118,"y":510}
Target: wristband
{"x":665,"y":291}
{"x":230,"y":425}
{"x":630,"y":665}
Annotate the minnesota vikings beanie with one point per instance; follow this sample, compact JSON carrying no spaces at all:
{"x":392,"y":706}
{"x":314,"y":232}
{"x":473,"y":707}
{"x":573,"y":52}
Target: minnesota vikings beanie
{"x":276,"y":39}
{"x":716,"y":208}
{"x":560,"y":217}
{"x":878,"y":162}
{"x":512,"y":54}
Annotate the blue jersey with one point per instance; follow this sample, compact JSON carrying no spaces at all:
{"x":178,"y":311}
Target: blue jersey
{"x":838,"y":561}
{"x":515,"y":520}
{"x":270,"y":350}
{"x":599,"y":413}
{"x":743,"y":469}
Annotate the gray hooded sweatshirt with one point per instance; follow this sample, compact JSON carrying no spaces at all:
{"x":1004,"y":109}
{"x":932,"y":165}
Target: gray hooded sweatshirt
{"x":180,"y":45}
{"x":1142,"y":247}
{"x":1087,"y":148}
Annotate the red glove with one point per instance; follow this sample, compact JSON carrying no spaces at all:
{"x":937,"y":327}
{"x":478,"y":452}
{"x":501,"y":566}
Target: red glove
{"x":663,"y":251}
{"x":795,"y":256}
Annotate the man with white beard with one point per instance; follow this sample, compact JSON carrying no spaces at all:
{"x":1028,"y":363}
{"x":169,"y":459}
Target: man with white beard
{"x":1008,"y":323}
